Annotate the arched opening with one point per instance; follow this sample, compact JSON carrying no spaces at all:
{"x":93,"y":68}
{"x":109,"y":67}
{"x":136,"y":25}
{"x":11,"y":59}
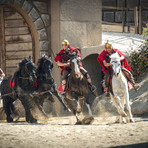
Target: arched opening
{"x":18,"y":37}
{"x":93,"y":67}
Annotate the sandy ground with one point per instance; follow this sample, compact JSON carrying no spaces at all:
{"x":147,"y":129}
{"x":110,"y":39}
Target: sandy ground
{"x":61,"y":132}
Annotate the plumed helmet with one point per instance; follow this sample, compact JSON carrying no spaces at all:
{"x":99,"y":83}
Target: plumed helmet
{"x":107,"y":45}
{"x":65,"y":42}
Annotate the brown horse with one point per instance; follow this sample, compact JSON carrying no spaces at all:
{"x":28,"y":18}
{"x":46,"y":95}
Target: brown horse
{"x":77,"y":90}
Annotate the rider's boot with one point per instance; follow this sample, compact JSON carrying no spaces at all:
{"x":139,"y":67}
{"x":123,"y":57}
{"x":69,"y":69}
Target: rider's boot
{"x":92,"y":87}
{"x":107,"y":83}
{"x":130,"y":78}
{"x":64,"y":89}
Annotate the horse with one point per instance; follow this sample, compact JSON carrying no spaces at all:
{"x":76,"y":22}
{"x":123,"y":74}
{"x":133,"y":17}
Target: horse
{"x":45,"y":83}
{"x":119,"y":92}
{"x":19,"y":86}
{"x":77,"y":90}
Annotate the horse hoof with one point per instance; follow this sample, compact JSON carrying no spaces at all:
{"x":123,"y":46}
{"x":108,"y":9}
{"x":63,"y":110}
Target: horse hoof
{"x":78,"y":123}
{"x":88,"y":120}
{"x":9,"y":120}
{"x":124,"y":114}
{"x":124,"y":121}
{"x":32,"y":121}
{"x":132,"y":120}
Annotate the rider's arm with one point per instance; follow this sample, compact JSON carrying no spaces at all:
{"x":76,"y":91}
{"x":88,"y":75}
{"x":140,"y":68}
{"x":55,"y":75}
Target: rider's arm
{"x":2,"y":73}
{"x":121,"y":58}
{"x":63,"y":64}
{"x":106,"y":64}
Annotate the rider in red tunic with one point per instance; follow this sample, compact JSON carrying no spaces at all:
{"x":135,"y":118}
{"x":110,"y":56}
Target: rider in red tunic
{"x":63,"y":62}
{"x":104,"y":61}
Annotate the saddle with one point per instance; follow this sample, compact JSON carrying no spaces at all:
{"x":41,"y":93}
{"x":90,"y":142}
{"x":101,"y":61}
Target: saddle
{"x":126,"y":73}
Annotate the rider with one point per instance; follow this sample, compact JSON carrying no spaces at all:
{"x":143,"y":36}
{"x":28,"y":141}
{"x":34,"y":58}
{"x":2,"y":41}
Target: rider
{"x":104,"y":61}
{"x":63,"y":62}
{"x":1,"y":73}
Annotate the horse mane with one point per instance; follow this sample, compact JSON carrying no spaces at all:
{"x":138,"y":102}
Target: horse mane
{"x":40,"y":63}
{"x":21,"y":64}
{"x":115,"y":56}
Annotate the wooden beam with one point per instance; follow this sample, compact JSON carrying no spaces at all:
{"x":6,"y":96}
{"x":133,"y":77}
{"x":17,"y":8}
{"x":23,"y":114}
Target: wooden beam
{"x":136,"y":19}
{"x":3,"y":50}
{"x":140,"y":20}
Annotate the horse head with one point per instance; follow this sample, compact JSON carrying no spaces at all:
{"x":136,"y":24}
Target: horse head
{"x":115,"y":63}
{"x":27,"y":69}
{"x":75,"y":64}
{"x":45,"y":66}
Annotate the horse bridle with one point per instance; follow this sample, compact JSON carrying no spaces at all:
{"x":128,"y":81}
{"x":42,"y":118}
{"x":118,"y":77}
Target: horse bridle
{"x":119,"y":69}
{"x":26,"y":69}
{"x":46,"y":76}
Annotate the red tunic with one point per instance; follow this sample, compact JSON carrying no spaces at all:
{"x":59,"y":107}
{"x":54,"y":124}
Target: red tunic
{"x":60,"y":58}
{"x":102,"y":56}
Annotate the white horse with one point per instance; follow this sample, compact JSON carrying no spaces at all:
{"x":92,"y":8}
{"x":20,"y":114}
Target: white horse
{"x":120,"y":89}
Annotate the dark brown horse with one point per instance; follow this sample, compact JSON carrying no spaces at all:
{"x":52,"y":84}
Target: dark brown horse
{"x":77,"y":90}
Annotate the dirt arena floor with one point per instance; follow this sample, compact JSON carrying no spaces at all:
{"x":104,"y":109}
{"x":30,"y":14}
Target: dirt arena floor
{"x":60,"y":132}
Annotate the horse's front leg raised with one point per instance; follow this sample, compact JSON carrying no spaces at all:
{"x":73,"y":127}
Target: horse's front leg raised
{"x":29,"y":117}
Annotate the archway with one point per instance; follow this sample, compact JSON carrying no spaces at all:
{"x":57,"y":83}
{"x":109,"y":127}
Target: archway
{"x":93,"y":67}
{"x":18,"y":37}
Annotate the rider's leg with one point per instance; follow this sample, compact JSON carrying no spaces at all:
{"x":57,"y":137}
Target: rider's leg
{"x":130,"y":78}
{"x":64,"y":75}
{"x":107,"y":81}
{"x":87,"y":76}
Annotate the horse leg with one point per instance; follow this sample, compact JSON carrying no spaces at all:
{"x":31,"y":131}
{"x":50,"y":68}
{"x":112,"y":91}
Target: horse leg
{"x":6,"y":105}
{"x":87,"y":102}
{"x":69,"y":105}
{"x":117,"y":102}
{"x":29,"y":117}
{"x":123,"y":119}
{"x":128,"y":106}
{"x":79,"y":114}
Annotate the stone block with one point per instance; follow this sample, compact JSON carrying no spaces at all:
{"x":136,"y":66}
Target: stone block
{"x":74,"y":32}
{"x":34,"y":14}
{"x":19,"y":2}
{"x":93,"y":30}
{"x":76,"y":10}
{"x":41,"y":6}
{"x":39,"y":23}
{"x":140,"y":106}
{"x":44,"y":45}
{"x":45,"y":19}
{"x":42,"y":34}
{"x":27,"y":6}
{"x":119,"y":16}
{"x":81,"y":34}
{"x":109,"y":16}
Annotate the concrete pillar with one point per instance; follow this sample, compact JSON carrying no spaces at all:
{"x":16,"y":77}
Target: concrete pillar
{"x":78,"y":21}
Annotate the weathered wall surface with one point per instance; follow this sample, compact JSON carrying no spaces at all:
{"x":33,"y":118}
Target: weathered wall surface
{"x":80,"y":22}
